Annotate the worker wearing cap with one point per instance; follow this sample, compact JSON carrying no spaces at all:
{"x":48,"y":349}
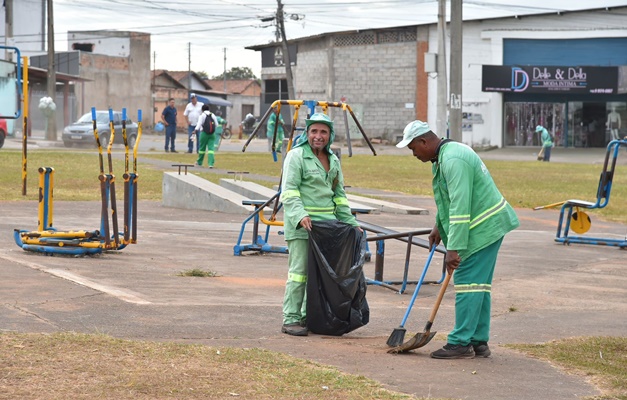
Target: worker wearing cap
{"x":471,"y":220}
{"x":547,"y":142}
{"x":312,"y":189}
{"x":192,"y":114}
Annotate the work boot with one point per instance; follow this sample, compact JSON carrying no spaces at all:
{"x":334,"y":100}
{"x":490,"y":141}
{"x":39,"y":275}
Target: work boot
{"x":481,"y":349}
{"x":453,"y":351}
{"x":294,"y":329}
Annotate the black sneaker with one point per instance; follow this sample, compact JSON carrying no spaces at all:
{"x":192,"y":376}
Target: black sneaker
{"x":167,"y":151}
{"x":294,"y":329}
{"x":454,"y":351}
{"x":481,"y":350}
{"x":174,"y":151}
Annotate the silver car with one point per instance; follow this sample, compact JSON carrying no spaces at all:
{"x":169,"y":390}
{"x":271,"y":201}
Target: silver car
{"x":82,"y":131}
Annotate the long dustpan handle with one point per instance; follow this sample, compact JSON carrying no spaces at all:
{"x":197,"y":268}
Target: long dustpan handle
{"x":438,"y":301}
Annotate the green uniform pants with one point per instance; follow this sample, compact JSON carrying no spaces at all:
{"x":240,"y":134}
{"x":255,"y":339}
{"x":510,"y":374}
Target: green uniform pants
{"x":473,"y":286}
{"x":206,"y":146}
{"x":295,"y":300}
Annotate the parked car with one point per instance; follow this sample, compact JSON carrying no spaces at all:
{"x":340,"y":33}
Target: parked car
{"x":3,"y":131}
{"x":82,"y":131}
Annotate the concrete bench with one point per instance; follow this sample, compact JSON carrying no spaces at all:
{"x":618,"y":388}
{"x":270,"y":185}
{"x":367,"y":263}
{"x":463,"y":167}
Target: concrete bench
{"x":195,"y":193}
{"x":386,"y":206}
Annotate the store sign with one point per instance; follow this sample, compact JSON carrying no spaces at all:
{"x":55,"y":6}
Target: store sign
{"x":549,"y":79}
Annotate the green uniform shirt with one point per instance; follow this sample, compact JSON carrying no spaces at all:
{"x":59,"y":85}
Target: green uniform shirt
{"x":308,"y":190}
{"x":472,"y":213}
{"x":271,"y":123}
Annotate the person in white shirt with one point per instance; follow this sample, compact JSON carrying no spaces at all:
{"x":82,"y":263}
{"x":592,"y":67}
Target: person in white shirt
{"x":192,"y":113}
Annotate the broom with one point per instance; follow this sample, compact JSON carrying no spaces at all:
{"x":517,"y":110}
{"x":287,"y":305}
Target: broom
{"x":398,"y":334}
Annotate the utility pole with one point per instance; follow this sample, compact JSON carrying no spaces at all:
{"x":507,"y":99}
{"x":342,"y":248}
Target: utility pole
{"x":441,"y":81}
{"x":224,"y":74}
{"x":8,"y":25}
{"x":286,"y":54}
{"x":51,"y":131}
{"x":189,"y":69}
{"x":455,"y":101}
{"x":154,"y":87}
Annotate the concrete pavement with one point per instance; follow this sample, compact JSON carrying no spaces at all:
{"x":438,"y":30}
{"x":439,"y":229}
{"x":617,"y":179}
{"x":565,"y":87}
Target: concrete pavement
{"x":542,"y":291}
{"x":556,"y":291}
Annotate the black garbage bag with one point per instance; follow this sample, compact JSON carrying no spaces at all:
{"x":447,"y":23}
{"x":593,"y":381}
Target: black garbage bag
{"x":336,"y":285}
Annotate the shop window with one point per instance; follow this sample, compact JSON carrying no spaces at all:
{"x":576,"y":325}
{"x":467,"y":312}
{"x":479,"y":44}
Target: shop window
{"x":521,"y":120}
{"x":595,"y":124}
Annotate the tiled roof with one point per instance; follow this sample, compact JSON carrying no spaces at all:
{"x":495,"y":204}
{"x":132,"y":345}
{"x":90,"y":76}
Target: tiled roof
{"x":233,"y":86}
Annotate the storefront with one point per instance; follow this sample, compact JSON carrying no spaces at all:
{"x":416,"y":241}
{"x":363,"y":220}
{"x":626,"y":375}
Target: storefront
{"x":574,"y":87}
{"x":582,"y":106}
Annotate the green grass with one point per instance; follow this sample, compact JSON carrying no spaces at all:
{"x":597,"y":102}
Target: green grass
{"x":197,"y":272}
{"x":525,"y":184}
{"x":603,"y":360}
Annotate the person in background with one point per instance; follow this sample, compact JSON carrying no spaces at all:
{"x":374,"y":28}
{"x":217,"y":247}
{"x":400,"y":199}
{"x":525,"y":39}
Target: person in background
{"x":270,"y":132}
{"x":219,"y":129}
{"x":192,"y":113}
{"x":547,"y":142}
{"x":472,"y":218}
{"x":207,"y":140}
{"x":312,"y":189}
{"x":168,"y":116}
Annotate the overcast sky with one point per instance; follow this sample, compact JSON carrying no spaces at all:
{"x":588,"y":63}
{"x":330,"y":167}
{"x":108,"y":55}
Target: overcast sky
{"x":213,"y":25}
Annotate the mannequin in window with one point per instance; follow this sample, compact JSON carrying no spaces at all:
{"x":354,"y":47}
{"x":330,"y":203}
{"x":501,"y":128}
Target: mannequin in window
{"x":614,"y":123}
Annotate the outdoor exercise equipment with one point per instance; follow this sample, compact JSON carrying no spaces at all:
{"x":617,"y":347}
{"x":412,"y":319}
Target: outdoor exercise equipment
{"x":49,"y":241}
{"x":381,"y":235}
{"x":260,"y":244}
{"x":572,"y":215}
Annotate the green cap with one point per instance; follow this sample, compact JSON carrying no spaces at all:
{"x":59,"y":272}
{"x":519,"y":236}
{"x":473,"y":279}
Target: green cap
{"x":319,"y":118}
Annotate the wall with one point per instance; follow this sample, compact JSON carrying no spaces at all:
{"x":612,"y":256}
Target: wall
{"x":29,"y":27}
{"x":118,"y":82}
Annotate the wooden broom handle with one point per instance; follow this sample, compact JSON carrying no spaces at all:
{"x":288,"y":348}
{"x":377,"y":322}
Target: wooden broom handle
{"x":440,"y":296}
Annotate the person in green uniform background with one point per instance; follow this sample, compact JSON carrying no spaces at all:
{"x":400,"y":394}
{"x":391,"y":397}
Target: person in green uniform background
{"x":219,"y":129}
{"x":280,"y":134}
{"x":471,"y":220}
{"x":312,"y":189}
{"x":207,"y":140}
{"x":547,"y":142}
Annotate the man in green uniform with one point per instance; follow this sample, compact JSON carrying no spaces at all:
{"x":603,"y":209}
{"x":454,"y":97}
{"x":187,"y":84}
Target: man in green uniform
{"x":547,"y":142}
{"x":472,"y":219}
{"x":312,"y":189}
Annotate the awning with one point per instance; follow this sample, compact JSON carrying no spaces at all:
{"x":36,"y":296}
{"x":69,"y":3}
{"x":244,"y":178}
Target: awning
{"x":216,"y":101}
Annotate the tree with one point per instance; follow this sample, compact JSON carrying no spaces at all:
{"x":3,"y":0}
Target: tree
{"x":202,"y":74}
{"x":237,"y":73}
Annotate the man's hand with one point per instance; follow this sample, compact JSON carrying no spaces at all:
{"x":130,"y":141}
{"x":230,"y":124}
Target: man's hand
{"x":434,"y":237}
{"x":452,"y":261}
{"x":306,"y":223}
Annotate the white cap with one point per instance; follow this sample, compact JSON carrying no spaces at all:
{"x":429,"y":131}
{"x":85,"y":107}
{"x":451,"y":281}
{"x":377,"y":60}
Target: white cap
{"x":412,"y":131}
{"x":192,"y":95}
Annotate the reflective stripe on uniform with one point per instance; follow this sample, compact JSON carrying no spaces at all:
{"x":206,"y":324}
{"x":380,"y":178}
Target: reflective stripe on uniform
{"x":459,"y":219}
{"x":473,"y":288}
{"x":488,"y":213}
{"x":288,"y":194}
{"x":340,"y":201}
{"x":210,"y":152}
{"x":297,"y":278}
{"x":319,"y":210}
